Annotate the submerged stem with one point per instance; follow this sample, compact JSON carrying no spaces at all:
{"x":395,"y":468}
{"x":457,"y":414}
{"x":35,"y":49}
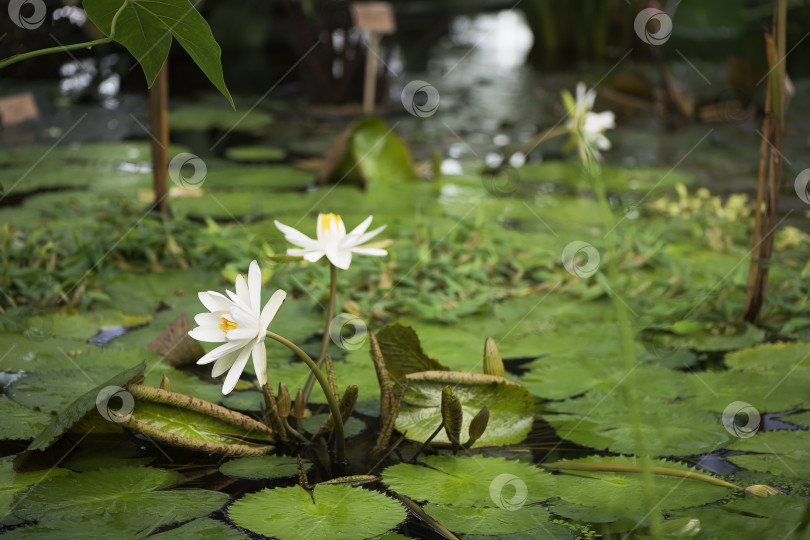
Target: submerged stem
{"x":330,"y":314}
{"x":334,"y":408}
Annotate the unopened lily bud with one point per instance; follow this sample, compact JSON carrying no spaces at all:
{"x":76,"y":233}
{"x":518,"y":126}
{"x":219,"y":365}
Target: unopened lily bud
{"x":284,"y":402}
{"x":452,"y":415}
{"x":493,"y":363}
{"x":478,"y":424}
{"x":166,"y":384}
{"x":300,"y":405}
{"x":761,"y":490}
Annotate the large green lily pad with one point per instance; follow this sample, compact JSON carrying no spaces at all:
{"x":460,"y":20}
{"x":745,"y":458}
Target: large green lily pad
{"x":784,"y":453}
{"x":511,"y":407}
{"x":488,"y":521}
{"x":492,"y":482}
{"x":260,"y":467}
{"x":20,"y":422}
{"x":339,"y":512}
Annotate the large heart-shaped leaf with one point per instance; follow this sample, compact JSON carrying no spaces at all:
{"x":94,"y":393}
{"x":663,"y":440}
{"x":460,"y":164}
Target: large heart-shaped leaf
{"x":511,"y":407}
{"x":146,"y":27}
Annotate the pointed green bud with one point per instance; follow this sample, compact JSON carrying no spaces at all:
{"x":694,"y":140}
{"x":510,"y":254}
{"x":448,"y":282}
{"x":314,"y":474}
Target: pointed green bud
{"x":303,"y":481}
{"x":493,"y":363}
{"x":478,"y":425}
{"x":284,"y":402}
{"x":300,"y":409}
{"x":166,"y":384}
{"x":761,"y":490}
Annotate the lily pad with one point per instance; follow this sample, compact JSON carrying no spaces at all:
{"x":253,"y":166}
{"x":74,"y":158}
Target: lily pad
{"x":113,"y":491}
{"x":255,"y":153}
{"x":11,"y":482}
{"x":471,"y":481}
{"x":201,"y":529}
{"x":511,"y":407}
{"x":488,"y":521}
{"x":624,"y":494}
{"x":261,"y":467}
{"x":785,"y":453}
{"x":205,"y":117}
{"x":353,"y":426}
{"x":339,"y":512}
{"x":20,"y":422}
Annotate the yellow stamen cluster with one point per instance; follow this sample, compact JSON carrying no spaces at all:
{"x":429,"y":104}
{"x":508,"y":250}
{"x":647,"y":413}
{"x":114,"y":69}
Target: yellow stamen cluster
{"x":326,"y":221}
{"x":225,"y":324}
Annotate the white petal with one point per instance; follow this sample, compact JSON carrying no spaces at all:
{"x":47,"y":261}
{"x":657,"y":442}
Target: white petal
{"x":363,"y":238}
{"x":313,"y":256}
{"x":376,"y":252}
{"x":236,"y":370}
{"x":294,"y":236}
{"x":220,"y":351}
{"x":260,"y":361}
{"x":238,"y":302}
{"x":208,"y":319}
{"x":363,"y":227}
{"x":224,"y":364}
{"x":255,"y":286}
{"x":242,"y":290}
{"x":242,"y":333}
{"x":340,"y":258}
{"x":271,"y":308}
{"x":208,"y":334}
{"x":244,"y":318}
{"x":214,"y":301}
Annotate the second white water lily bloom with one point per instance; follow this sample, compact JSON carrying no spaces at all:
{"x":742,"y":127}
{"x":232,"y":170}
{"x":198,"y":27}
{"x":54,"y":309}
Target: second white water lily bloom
{"x":333,"y":241}
{"x":582,"y":119}
{"x":239,"y":321}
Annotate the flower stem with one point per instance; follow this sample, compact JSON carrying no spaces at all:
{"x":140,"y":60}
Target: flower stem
{"x":632,"y":468}
{"x":334,"y":408}
{"x":330,"y":314}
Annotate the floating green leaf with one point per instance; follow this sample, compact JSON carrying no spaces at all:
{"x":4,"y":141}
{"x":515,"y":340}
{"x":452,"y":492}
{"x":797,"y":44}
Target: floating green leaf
{"x":12,"y":482}
{"x":19,"y":422}
{"x":511,"y":407}
{"x":488,"y":521}
{"x":261,"y":467}
{"x":403,"y":353}
{"x":255,"y":153}
{"x":339,"y":512}
{"x":201,"y":529}
{"x":471,"y":481}
{"x":353,"y":426}
{"x":114,"y":491}
{"x":785,"y":453}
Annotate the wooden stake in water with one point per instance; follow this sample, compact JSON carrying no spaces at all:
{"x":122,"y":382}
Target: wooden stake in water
{"x":377,"y":18}
{"x":159,"y":127}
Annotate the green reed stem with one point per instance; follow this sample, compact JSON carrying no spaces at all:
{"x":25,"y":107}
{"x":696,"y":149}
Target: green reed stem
{"x":330,"y":314}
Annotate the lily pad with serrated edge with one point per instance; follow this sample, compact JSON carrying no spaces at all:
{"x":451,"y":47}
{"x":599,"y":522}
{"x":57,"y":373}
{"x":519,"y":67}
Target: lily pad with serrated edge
{"x":124,"y":526}
{"x":511,"y":407}
{"x":201,"y":529}
{"x":486,"y":520}
{"x":624,"y":493}
{"x":469,"y":481}
{"x":261,"y":467}
{"x":11,"y":482}
{"x":114,"y":491}
{"x":339,"y":512}
{"x":52,"y":391}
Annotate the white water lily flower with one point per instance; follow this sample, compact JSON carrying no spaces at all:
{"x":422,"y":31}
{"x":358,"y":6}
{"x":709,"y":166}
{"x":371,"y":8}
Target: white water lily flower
{"x":332,"y":241}
{"x":238,"y":321}
{"x":591,"y":125}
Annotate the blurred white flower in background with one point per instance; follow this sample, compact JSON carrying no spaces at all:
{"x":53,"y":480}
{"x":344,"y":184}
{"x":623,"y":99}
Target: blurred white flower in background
{"x":585,"y":124}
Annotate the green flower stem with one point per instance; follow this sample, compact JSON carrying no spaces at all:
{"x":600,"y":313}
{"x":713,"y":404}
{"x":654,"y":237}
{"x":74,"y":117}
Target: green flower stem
{"x":630,"y":468}
{"x":293,"y":432}
{"x":427,"y":442}
{"x":334,"y":407}
{"x":50,"y":50}
{"x":330,"y":314}
{"x":416,"y":509}
{"x":62,"y":48}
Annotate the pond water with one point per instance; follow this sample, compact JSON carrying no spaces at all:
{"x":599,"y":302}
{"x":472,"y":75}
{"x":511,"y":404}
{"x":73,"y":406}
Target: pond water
{"x":92,"y":280}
